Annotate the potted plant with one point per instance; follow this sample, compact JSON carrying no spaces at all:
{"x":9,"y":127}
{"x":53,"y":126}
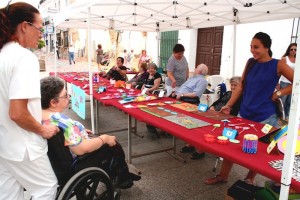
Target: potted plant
{"x":42,"y":62}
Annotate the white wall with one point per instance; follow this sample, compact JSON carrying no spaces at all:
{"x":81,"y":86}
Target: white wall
{"x":188,"y":38}
{"x":279,"y":31}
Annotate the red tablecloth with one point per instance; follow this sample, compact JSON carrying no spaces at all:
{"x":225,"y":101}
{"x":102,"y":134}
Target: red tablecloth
{"x":257,"y":162}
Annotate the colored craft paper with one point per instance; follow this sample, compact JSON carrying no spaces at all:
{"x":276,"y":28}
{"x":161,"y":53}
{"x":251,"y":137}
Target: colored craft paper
{"x":216,"y":115}
{"x":186,"y":121}
{"x":157,"y":111}
{"x":78,"y":101}
{"x":186,"y":106}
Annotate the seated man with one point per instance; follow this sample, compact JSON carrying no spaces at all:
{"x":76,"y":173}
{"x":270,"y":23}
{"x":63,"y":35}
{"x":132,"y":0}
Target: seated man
{"x":54,"y":99}
{"x":117,"y":72}
{"x":192,"y":89}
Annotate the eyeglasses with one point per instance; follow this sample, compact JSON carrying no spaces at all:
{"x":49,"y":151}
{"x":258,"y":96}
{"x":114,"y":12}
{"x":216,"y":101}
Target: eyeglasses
{"x":39,"y":29}
{"x":293,"y":49}
{"x":66,"y":96}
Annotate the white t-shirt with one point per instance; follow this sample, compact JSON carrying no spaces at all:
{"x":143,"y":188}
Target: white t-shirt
{"x":71,"y":49}
{"x":19,"y":79}
{"x":292,"y":65}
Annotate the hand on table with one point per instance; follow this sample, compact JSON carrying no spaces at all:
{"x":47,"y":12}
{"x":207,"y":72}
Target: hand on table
{"x":225,"y":109}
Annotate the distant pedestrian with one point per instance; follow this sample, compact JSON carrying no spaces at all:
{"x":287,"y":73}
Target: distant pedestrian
{"x":290,"y":58}
{"x":100,"y":56}
{"x":129,"y":59}
{"x":71,"y":54}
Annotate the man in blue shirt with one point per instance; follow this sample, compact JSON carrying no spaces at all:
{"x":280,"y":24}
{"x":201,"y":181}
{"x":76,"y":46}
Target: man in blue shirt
{"x":192,"y":89}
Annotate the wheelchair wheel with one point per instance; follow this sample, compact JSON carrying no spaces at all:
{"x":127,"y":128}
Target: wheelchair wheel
{"x":88,"y":184}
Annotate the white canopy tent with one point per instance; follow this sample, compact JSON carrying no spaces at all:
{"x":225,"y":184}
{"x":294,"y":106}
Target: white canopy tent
{"x":166,"y":15}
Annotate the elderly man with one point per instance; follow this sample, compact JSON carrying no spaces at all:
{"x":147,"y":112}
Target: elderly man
{"x":192,"y":89}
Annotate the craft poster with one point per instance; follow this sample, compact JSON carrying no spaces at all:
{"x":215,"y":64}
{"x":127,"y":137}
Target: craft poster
{"x":159,"y":111}
{"x":186,"y":121}
{"x":78,"y":101}
{"x":186,"y":106}
{"x":215,"y":115}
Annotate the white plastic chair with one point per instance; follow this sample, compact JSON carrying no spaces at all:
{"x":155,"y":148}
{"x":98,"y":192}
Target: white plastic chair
{"x":213,"y":81}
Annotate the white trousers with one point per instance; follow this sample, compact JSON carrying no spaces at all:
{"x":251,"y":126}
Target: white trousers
{"x":36,"y":176}
{"x":170,"y":90}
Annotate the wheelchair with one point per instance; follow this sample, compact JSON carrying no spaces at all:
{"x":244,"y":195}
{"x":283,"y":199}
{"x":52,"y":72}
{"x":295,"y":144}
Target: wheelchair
{"x":90,"y":183}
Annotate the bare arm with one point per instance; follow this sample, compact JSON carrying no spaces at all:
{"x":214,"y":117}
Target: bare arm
{"x":286,"y":71}
{"x":19,"y":113}
{"x":190,"y":94}
{"x":122,"y":72}
{"x":87,"y":146}
{"x":171,"y":76}
{"x":155,"y":86}
{"x":187,"y":73}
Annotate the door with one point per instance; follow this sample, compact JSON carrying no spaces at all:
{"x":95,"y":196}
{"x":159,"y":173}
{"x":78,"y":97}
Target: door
{"x":167,"y":42}
{"x":209,"y":48}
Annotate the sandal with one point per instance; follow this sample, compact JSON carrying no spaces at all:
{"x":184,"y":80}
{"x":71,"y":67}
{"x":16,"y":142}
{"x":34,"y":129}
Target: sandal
{"x":215,"y":180}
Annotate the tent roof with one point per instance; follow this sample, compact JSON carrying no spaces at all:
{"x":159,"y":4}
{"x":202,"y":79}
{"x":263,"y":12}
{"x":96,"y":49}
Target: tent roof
{"x":166,"y":15}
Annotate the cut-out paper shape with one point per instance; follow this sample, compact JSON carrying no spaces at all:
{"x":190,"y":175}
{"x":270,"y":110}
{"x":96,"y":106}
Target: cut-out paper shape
{"x":216,"y":126}
{"x":229,"y":133}
{"x":245,"y":128}
{"x":253,"y":126}
{"x":282,"y":142}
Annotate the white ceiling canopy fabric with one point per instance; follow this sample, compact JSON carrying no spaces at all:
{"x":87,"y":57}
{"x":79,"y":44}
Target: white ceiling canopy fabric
{"x":167,"y":15}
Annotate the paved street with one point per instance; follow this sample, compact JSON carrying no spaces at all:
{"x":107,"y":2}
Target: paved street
{"x":163,"y":177}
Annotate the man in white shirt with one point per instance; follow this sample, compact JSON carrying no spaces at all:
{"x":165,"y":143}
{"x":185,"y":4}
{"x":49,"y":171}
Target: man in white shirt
{"x":71,"y":54}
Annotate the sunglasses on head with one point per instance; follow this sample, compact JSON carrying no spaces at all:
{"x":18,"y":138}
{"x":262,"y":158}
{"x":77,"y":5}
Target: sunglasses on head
{"x":293,"y":49}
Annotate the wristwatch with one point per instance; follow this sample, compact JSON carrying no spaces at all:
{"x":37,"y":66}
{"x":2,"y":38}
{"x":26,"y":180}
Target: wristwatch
{"x":278,"y":93}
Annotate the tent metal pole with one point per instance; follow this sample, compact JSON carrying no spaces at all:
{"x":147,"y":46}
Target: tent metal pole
{"x":90,"y":70}
{"x":234,"y":50}
{"x":55,"y":51}
{"x":293,"y":125}
{"x":158,"y":48}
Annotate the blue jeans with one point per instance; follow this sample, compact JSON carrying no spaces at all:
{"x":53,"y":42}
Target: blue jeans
{"x":273,"y":120}
{"x":71,"y":57}
{"x":286,"y":100}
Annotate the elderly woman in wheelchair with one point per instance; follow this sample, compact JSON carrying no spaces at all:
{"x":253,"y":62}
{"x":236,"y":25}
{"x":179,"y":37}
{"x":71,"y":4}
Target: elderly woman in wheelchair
{"x":102,"y":151}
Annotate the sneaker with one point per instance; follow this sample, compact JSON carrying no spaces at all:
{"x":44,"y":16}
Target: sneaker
{"x":197,"y":156}
{"x":187,"y":149}
{"x":74,"y":61}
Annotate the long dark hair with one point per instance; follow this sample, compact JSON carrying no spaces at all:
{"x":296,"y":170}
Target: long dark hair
{"x":288,"y":50}
{"x":265,"y":39}
{"x":11,"y":16}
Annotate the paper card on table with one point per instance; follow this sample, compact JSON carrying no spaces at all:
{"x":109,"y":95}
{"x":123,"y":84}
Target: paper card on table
{"x":186,"y":121}
{"x":186,"y":106}
{"x":158,"y":111}
{"x":229,"y":133}
{"x":212,"y":114}
{"x":266,"y":129}
{"x":161,"y":94}
{"x":276,"y":137}
{"x":202,"y":107}
{"x":144,"y":91}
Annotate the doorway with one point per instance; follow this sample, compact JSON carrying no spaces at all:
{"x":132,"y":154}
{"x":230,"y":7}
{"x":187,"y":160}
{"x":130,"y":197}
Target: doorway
{"x":209,"y":48}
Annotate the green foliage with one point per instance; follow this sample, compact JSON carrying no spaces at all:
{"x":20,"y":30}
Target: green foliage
{"x":41,"y":44}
